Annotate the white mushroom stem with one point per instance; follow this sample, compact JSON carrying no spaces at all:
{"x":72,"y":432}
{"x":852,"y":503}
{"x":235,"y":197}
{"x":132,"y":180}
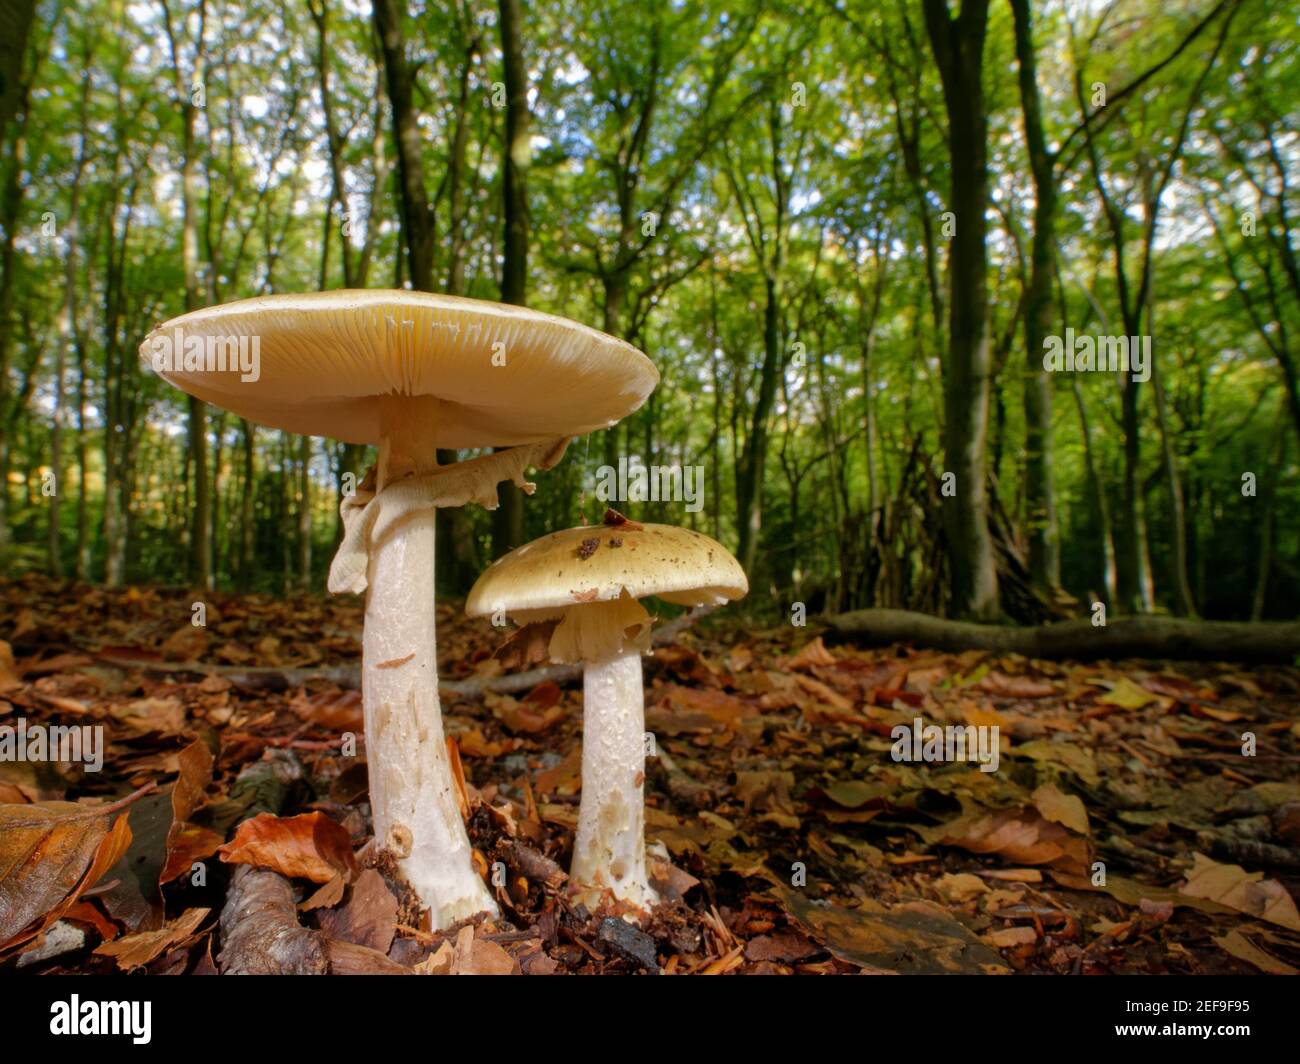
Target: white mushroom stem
{"x":609,"y":853}
{"x":412,"y":794}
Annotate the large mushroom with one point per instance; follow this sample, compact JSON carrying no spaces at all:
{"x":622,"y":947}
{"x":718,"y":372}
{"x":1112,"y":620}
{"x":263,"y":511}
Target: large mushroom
{"x":410,"y":372}
{"x":588,"y":583}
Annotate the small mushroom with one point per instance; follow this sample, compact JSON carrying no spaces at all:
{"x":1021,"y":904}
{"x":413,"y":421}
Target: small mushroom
{"x":594,"y":592}
{"x":410,"y":372}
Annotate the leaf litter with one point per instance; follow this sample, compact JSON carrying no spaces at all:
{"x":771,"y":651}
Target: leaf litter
{"x":1124,"y":831}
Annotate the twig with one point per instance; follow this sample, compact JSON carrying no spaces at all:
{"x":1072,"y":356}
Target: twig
{"x":269,"y":678}
{"x":89,"y":813}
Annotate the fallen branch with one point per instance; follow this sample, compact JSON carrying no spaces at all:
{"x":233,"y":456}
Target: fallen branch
{"x":260,"y":933}
{"x":1124,"y":637}
{"x":271,"y":678}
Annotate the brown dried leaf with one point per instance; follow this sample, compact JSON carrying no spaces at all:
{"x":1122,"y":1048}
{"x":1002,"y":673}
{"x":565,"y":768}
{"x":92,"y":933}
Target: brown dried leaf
{"x":332,"y":710}
{"x":1023,"y":836}
{"x":370,"y":916}
{"x":187,"y":643}
{"x":811,"y":654}
{"x":50,"y":854}
{"x":137,"y":950}
{"x":478,"y":956}
{"x":916,"y":938}
{"x":1067,"y":809}
{"x":9,"y":678}
{"x":1247,"y":892}
{"x":526,"y":646}
{"x":310,"y":846}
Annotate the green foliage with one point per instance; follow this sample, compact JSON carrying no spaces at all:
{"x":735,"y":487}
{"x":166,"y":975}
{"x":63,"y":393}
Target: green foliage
{"x":692,"y":161}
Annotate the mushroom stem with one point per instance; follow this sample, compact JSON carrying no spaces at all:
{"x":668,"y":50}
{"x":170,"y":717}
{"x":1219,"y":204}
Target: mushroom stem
{"x":412,"y":794}
{"x":609,"y":852}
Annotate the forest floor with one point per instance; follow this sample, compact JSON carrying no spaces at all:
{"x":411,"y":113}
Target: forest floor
{"x":1123,"y":830}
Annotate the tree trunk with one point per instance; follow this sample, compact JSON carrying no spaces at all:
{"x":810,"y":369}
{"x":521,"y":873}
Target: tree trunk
{"x":200,"y":560}
{"x":304,"y":513}
{"x":959,"y":50}
{"x":1040,"y":496}
{"x":418,"y":220}
{"x":749,"y":480}
{"x":508,"y":518}
{"x":1101,"y":507}
{"x":15,"y":24}
{"x":1268,"y":508}
{"x":247,"y":515}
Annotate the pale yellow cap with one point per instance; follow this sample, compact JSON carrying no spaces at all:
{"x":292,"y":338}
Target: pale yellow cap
{"x":503,"y":375}
{"x":581,"y":565}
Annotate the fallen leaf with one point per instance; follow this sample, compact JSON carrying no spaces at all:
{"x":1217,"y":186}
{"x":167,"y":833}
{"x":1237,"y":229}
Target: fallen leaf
{"x":478,"y":956}
{"x":1067,"y":809}
{"x":811,"y":654}
{"x":370,"y":916}
{"x":785,"y":947}
{"x":916,"y":938}
{"x":437,"y":963}
{"x":1023,"y":836}
{"x":9,"y":678}
{"x":310,"y":846}
{"x":1125,"y":694}
{"x":138,"y":949}
{"x":565,"y":778}
{"x":527,"y":645}
{"x":1247,"y":892}
{"x":187,"y":643}
{"x":1241,"y":947}
{"x":1012,"y":937}
{"x":338,"y":711}
{"x":50,"y":853}
{"x":960,"y":886}
{"x":996,"y":683}
{"x":187,"y":844}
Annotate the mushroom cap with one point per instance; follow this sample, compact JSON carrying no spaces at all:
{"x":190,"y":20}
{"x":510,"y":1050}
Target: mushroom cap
{"x":328,"y":359}
{"x":565,"y":569}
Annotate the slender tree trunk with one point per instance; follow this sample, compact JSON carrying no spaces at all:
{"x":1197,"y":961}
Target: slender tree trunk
{"x":247,"y":513}
{"x":15,"y":24}
{"x":1268,"y":509}
{"x":1101,"y":508}
{"x":1184,"y":604}
{"x":508,"y":518}
{"x":10,"y":208}
{"x":200,"y":561}
{"x":53,"y":550}
{"x":304,"y":513}
{"x":83,"y":471}
{"x":958,"y":45}
{"x":753,"y":461}
{"x":418,"y":221}
{"x":1040,"y":495}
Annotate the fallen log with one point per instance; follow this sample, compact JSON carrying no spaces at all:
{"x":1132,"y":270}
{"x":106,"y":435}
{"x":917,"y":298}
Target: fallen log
{"x":1123,"y":637}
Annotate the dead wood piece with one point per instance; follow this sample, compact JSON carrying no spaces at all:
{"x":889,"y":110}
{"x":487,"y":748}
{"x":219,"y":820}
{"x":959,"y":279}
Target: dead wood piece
{"x":1256,"y":854}
{"x":534,"y":864}
{"x":268,"y":678}
{"x":1169,"y":638}
{"x":260,"y":933}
